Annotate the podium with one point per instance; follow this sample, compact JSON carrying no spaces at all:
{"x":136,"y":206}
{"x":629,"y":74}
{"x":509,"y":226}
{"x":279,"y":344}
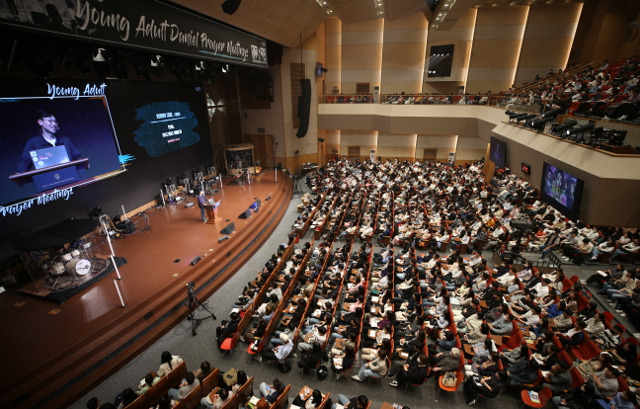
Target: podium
{"x":52,"y":176}
{"x":211,"y":210}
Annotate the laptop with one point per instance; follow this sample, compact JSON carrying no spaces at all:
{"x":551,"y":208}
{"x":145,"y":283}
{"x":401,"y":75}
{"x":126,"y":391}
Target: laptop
{"x":50,"y":156}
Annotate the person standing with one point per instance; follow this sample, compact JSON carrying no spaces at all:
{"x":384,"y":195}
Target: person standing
{"x":202,"y":204}
{"x":48,"y":138}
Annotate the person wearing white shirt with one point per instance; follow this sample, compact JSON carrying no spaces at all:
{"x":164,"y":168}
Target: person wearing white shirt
{"x":631,"y":247}
{"x":604,"y":247}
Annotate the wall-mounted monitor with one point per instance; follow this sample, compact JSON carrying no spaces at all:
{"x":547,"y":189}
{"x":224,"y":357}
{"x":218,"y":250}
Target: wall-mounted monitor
{"x":52,"y":144}
{"x":561,"y":190}
{"x":440,"y":61}
{"x":498,"y":152}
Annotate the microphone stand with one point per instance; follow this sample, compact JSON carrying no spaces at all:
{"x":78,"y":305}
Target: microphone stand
{"x":193,"y":303}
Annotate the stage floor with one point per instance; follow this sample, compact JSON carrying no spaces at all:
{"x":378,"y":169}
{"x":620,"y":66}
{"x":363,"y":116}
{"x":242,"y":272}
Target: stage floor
{"x":43,"y":341}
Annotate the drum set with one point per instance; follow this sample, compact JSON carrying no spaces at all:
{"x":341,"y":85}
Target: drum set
{"x":70,"y":266}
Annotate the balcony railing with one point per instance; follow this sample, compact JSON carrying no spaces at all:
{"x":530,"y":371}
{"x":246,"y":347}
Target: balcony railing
{"x":520,"y":104}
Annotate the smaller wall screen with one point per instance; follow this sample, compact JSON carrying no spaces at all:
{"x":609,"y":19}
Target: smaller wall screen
{"x":498,"y":152}
{"x":440,"y":61}
{"x":561,"y":190}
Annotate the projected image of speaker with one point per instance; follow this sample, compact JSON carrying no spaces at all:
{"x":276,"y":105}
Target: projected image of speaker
{"x":231,"y":227}
{"x":304,"y":106}
{"x":245,"y":215}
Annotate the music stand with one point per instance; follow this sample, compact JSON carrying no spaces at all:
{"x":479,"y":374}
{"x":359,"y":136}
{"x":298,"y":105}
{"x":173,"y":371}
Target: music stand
{"x":187,"y":187}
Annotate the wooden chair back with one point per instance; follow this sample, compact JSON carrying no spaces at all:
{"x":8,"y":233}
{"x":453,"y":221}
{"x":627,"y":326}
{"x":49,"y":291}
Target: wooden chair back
{"x":210,"y":382}
{"x":158,"y":390}
{"x":176,"y":375}
{"x":282,"y":399}
{"x":141,"y":402}
{"x":193,"y":398}
{"x":245,"y":391}
{"x":324,"y":401}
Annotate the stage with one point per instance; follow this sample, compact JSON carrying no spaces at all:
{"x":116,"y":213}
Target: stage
{"x":55,"y":352}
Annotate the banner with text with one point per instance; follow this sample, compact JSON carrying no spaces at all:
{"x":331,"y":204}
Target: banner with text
{"x":149,"y":24}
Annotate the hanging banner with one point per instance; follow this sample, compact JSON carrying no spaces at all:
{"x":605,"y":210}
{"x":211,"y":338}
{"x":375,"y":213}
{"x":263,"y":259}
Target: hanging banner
{"x":148,"y":24}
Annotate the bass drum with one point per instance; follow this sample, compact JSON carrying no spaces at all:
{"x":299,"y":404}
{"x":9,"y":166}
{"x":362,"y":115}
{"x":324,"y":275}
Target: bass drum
{"x":79,"y":266}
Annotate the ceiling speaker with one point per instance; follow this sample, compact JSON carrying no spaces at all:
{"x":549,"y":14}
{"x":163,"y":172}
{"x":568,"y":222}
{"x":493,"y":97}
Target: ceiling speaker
{"x":230,"y":6}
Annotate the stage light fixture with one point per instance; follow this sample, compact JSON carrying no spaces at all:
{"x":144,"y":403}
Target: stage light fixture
{"x":520,"y":117}
{"x":617,"y":137}
{"x":156,"y":61}
{"x":540,"y":123}
{"x":580,"y":129}
{"x":230,"y":6}
{"x":566,"y":125}
{"x":98,"y":56}
{"x":551,"y":113}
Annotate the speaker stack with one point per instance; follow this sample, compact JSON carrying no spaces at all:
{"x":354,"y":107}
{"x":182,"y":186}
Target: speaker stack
{"x":304,"y":106}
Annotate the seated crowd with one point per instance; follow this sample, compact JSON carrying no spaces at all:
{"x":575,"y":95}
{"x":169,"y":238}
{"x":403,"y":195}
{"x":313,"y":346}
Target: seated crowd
{"x":425,"y":304}
{"x":608,"y":91}
{"x":411,"y":315}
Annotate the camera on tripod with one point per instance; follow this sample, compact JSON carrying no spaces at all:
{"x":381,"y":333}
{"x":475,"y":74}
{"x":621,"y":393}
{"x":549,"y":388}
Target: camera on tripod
{"x":190,"y":287}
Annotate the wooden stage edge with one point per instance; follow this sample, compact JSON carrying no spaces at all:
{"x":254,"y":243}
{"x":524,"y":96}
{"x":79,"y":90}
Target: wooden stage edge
{"x":64,"y":378}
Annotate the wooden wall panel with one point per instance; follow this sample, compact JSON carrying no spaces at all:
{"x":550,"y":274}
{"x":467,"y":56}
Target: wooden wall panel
{"x":496,"y":48}
{"x":361,"y":54}
{"x":547,"y":39}
{"x":403,"y":54}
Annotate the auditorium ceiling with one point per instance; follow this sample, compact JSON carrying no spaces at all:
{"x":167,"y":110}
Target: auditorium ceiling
{"x":285,"y":21}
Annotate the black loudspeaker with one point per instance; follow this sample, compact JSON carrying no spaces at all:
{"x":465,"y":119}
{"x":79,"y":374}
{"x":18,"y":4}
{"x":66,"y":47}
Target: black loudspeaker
{"x":230,"y":6}
{"x":268,"y":198}
{"x":304,"y":106}
{"x":195,"y":261}
{"x":229,"y":229}
{"x":245,"y":215}
{"x":126,"y":226}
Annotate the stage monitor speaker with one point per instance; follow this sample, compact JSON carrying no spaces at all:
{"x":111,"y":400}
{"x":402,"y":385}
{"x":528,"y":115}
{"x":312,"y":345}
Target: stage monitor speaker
{"x":245,"y":215}
{"x":268,"y":198}
{"x":223,"y":238}
{"x":229,"y":229}
{"x":195,"y":261}
{"x":304,"y":107}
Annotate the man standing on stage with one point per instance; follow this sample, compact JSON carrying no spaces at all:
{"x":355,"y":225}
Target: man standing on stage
{"x":48,"y":137}
{"x":202,"y":203}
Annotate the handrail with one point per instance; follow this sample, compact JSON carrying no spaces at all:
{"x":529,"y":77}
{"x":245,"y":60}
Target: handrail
{"x":561,"y":75}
